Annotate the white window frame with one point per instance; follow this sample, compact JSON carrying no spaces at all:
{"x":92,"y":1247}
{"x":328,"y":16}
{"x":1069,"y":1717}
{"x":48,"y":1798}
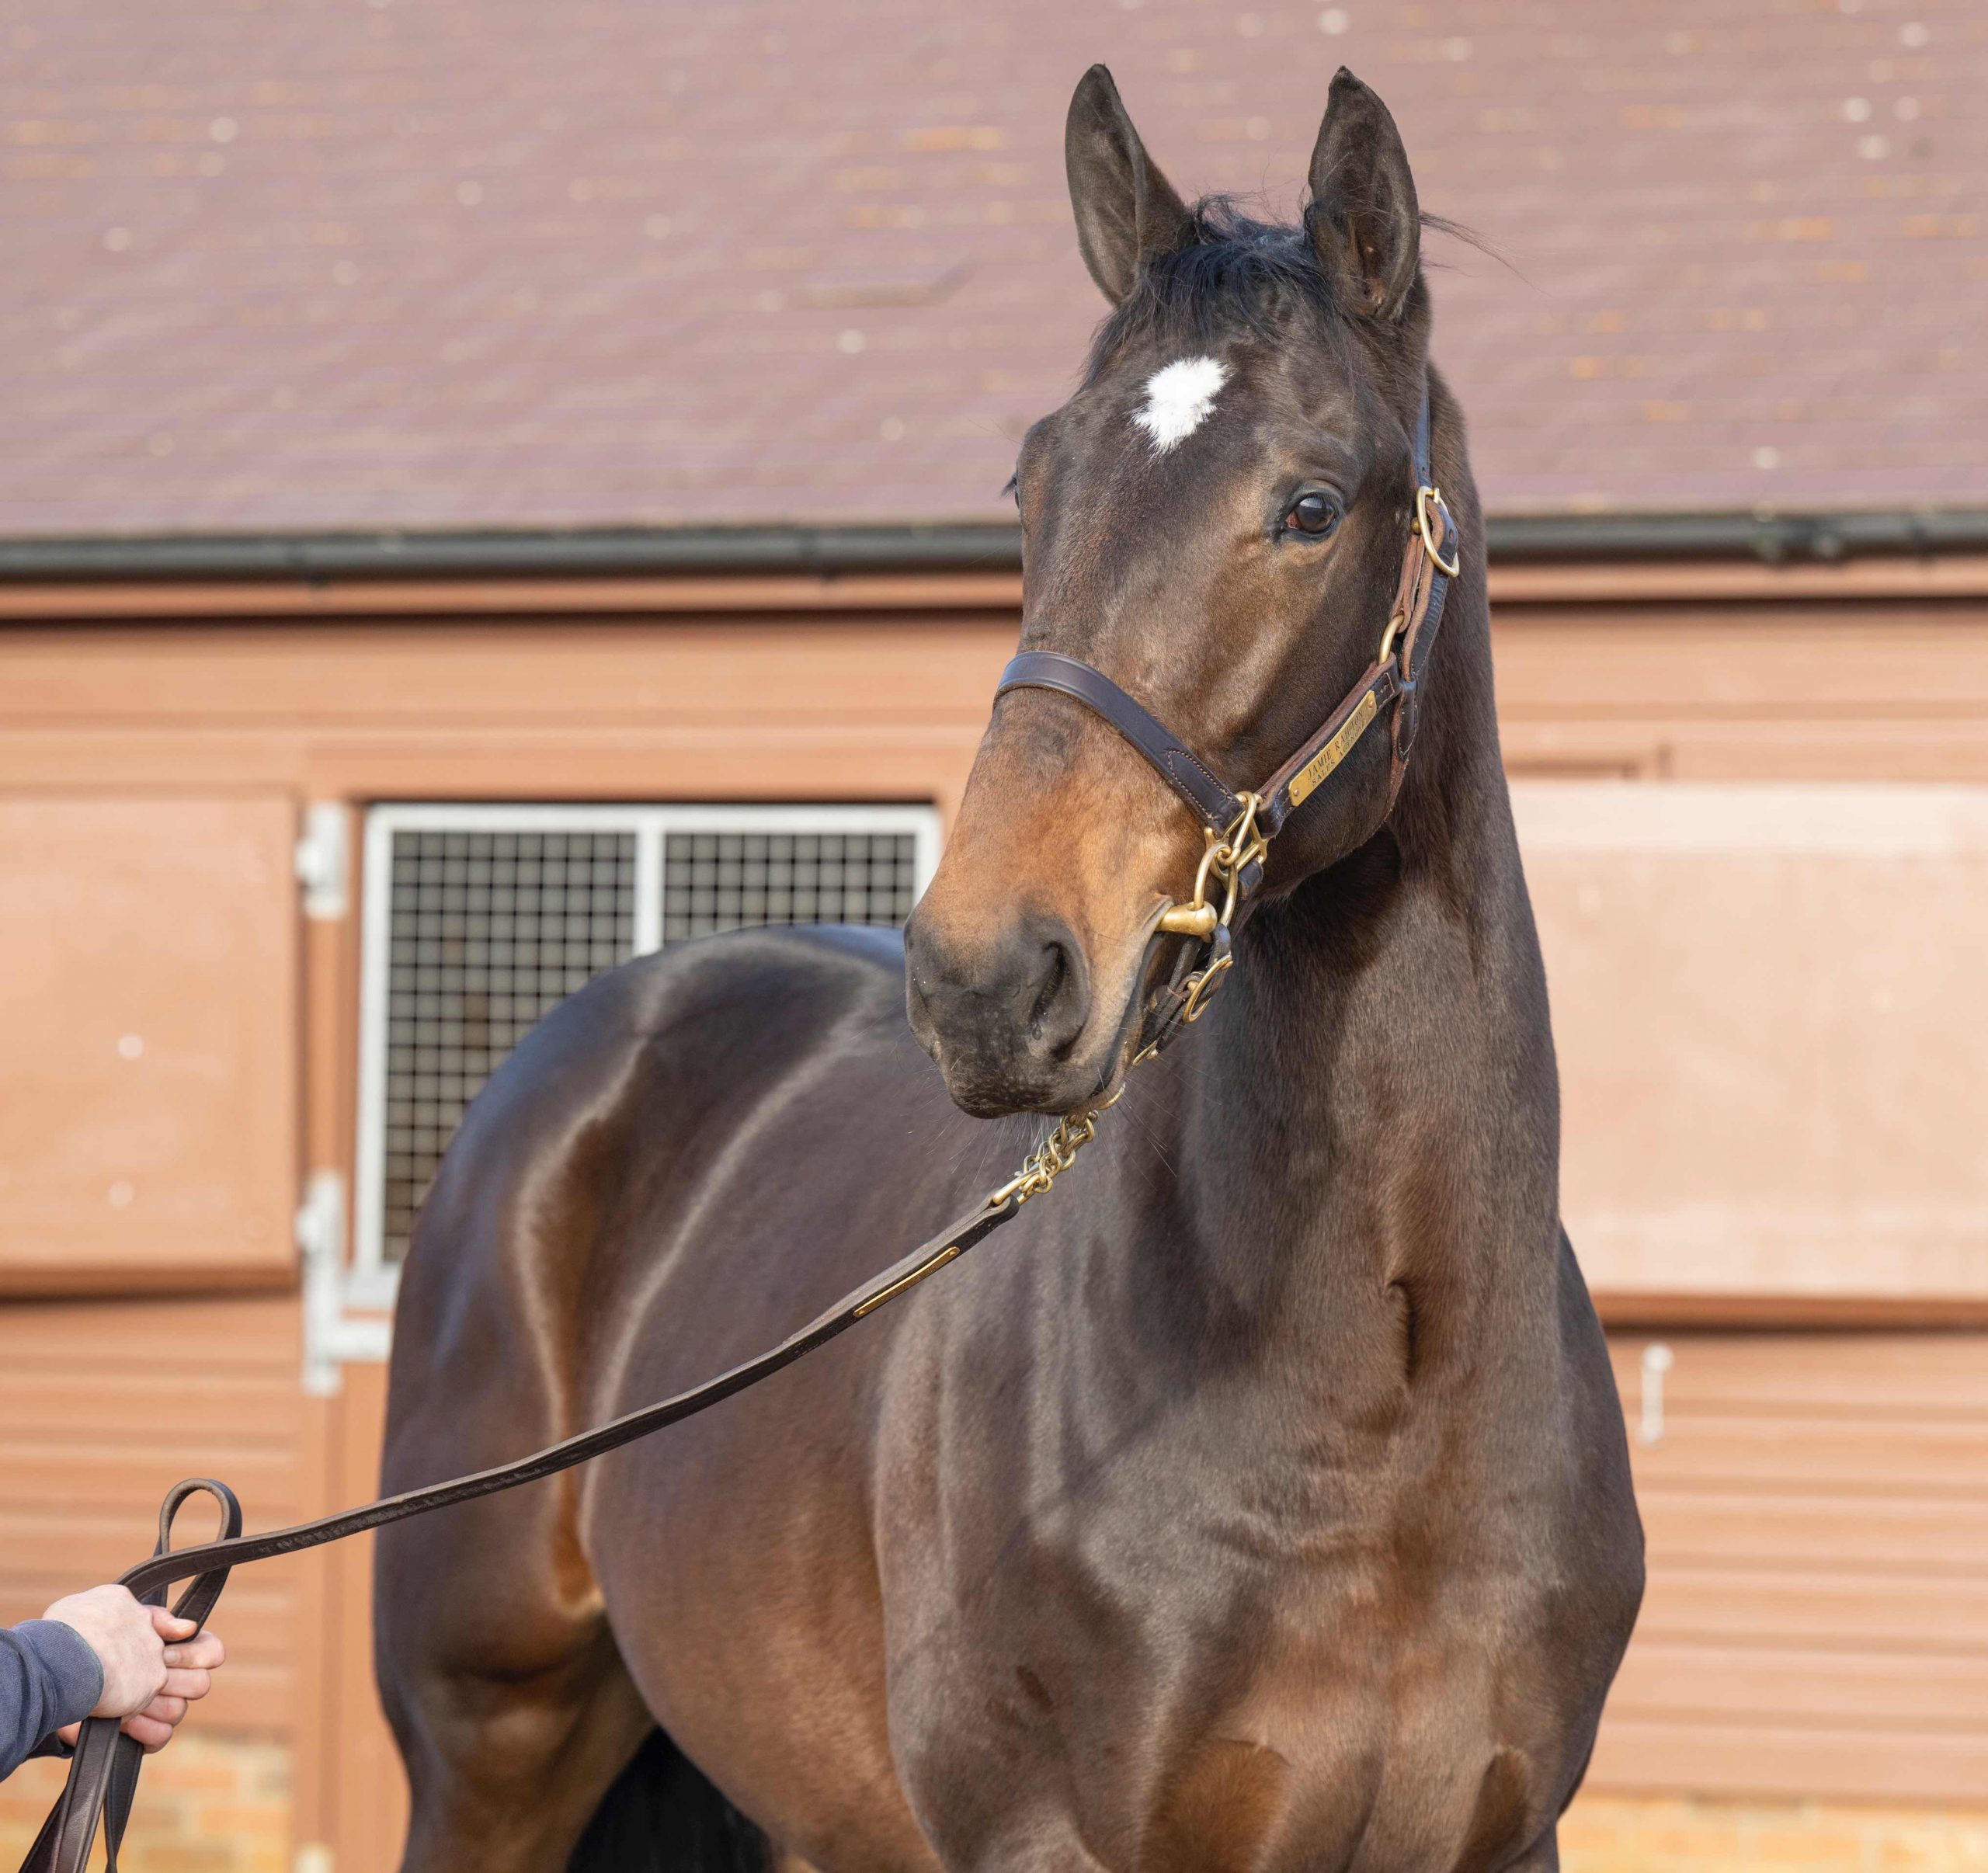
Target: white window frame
{"x":371,"y":1280}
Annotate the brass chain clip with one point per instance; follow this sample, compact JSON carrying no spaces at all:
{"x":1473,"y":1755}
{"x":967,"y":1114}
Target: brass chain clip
{"x":1225,"y":857}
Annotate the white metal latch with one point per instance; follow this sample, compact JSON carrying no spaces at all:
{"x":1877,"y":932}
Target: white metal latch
{"x":323,"y":860}
{"x":331,"y":1336}
{"x":1658,"y":1359}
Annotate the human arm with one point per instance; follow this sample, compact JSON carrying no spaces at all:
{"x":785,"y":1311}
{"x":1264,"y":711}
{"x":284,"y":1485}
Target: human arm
{"x":49,"y":1676}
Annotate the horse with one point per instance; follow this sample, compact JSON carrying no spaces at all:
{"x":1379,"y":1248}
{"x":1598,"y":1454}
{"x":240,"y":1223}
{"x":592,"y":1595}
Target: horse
{"x":1260,"y":1501}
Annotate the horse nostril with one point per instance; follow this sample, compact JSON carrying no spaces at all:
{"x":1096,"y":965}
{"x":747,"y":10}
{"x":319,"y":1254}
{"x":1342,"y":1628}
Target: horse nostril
{"x":1053,"y":978}
{"x":1062,"y":999}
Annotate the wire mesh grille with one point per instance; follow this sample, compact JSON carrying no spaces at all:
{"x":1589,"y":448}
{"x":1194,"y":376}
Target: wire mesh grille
{"x":488,"y":930}
{"x":713,"y":882}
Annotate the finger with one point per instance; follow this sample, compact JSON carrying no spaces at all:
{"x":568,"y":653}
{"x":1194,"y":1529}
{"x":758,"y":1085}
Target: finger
{"x":187,"y":1685}
{"x":69,"y":1732}
{"x":168,"y":1627}
{"x":149,"y":1731}
{"x":162,"y":1709}
{"x":206,"y":1652}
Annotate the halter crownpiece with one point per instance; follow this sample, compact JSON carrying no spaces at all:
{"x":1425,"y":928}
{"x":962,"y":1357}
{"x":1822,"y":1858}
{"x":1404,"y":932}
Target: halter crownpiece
{"x":1238,"y":826}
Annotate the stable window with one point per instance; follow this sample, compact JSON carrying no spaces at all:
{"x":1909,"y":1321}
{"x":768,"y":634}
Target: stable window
{"x":479,"y":919}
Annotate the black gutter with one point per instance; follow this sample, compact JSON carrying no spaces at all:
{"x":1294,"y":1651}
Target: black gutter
{"x":588,"y":552}
{"x":1775,"y":539}
{"x":827,"y":551}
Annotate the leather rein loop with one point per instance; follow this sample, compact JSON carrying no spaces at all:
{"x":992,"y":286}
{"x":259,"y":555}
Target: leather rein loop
{"x":103,"y":1771}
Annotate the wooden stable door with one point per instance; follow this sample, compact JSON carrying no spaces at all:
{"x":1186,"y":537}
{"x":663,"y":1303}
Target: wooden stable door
{"x":148,"y":1141}
{"x":1772,"y":1034}
{"x":152,"y":1121}
{"x":148,"y":994}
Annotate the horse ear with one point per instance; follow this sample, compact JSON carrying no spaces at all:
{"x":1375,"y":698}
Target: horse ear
{"x":1127,"y":211}
{"x":1364,"y":222}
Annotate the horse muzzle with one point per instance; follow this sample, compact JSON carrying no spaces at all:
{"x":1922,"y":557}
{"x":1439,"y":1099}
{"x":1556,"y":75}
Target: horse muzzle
{"x":1005,"y":1014}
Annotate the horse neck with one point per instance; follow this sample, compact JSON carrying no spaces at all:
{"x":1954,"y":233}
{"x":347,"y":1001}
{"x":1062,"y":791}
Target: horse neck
{"x":1373,"y":1102}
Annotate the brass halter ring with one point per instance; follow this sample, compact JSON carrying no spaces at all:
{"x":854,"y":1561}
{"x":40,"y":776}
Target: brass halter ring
{"x":1425,"y":497}
{"x":1388,"y":637}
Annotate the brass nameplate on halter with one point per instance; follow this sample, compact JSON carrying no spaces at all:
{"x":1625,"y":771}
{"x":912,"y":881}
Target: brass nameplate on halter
{"x":1304,"y":783}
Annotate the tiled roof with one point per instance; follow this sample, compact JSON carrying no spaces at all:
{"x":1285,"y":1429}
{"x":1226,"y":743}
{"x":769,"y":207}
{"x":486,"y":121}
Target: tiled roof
{"x":293,"y":265}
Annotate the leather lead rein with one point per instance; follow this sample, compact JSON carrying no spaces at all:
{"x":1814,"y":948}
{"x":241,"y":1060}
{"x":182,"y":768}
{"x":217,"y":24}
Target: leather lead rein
{"x":103,"y":1772}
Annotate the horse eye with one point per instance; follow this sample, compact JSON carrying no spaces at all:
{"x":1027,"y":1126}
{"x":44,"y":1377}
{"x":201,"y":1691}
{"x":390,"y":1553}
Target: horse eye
{"x":1315,"y":514}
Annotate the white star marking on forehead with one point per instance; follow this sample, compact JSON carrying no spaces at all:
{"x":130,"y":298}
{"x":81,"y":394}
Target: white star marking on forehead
{"x":1178,"y":399}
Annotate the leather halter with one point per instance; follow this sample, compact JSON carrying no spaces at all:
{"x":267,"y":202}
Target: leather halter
{"x":1430,"y":562}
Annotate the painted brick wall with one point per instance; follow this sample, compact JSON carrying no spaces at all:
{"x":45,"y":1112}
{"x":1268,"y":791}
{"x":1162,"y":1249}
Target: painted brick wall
{"x":211,"y":1803}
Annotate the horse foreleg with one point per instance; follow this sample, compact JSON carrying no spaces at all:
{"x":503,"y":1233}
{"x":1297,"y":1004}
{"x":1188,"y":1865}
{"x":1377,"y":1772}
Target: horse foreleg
{"x":1542,"y":1856}
{"x":506,"y":1769}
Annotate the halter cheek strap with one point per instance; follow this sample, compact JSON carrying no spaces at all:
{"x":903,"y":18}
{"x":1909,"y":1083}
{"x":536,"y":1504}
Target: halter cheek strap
{"x":1431,"y":559}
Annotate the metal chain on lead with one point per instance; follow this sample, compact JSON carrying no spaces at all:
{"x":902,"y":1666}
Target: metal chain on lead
{"x":1054,"y":1155}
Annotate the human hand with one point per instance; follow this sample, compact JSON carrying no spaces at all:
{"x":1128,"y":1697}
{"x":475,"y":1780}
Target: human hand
{"x":154,"y":1665}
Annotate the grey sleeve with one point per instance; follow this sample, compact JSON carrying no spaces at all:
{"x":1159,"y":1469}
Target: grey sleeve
{"x":49,"y":1676}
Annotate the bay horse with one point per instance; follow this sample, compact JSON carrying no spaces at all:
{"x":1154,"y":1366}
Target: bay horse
{"x":1260,"y":1500}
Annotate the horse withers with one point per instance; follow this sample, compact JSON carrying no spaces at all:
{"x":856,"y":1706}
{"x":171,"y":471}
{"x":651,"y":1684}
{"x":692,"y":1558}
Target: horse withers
{"x":1260,"y":1500}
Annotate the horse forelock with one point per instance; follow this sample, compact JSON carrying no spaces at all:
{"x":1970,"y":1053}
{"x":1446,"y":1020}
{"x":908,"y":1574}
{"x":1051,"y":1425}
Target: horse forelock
{"x":1239,"y":275}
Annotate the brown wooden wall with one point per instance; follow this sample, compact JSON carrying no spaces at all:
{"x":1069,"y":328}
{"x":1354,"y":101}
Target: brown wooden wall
{"x":1816,"y":1615}
{"x":107,"y":1404}
{"x":1816,"y":1623}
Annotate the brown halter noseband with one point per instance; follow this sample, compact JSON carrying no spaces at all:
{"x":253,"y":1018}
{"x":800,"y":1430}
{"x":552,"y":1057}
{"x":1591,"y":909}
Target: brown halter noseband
{"x":1238,"y":826}
{"x":103,"y":1774}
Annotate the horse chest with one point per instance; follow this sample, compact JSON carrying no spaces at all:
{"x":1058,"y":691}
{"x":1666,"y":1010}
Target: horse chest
{"x":1209,"y":1665}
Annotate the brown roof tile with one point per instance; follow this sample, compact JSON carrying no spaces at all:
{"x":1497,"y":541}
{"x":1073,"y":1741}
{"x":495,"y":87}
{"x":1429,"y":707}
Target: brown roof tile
{"x":426,"y":263}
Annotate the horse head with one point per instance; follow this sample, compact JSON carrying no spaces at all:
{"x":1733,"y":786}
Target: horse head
{"x":1215,"y":521}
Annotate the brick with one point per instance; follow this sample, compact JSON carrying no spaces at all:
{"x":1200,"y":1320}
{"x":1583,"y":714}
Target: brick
{"x":201,"y":1808}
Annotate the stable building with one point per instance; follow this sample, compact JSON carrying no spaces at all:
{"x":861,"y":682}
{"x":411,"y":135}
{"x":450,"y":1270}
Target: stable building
{"x":456,"y":536}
